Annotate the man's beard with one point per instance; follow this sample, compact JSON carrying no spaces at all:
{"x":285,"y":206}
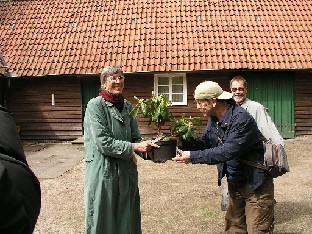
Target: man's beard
{"x":239,"y":99}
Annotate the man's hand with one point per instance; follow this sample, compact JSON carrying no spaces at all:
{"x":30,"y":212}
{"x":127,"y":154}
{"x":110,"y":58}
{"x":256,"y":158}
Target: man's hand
{"x":184,"y":158}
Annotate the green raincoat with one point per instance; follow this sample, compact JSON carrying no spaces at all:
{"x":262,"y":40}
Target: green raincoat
{"x":112,"y":201}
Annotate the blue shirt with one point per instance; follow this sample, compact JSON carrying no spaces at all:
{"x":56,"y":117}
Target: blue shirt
{"x":235,"y":136}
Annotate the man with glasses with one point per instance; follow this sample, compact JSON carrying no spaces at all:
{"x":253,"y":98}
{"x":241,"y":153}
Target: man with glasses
{"x":260,"y":113}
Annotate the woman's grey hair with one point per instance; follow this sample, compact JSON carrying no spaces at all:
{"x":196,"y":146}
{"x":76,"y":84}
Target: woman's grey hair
{"x":108,"y":71}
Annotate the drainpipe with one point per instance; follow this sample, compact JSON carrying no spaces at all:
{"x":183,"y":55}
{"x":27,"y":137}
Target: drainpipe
{"x":8,"y":75}
{"x":5,"y":91}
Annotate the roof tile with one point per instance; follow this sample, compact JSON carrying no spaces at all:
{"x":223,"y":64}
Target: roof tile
{"x":53,"y":37}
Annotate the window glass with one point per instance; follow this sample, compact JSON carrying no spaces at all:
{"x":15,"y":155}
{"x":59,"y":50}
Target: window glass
{"x":163,"y":89}
{"x":177,"y":97}
{"x":177,"y":89}
{"x":163,"y":80}
{"x":177,"y":80}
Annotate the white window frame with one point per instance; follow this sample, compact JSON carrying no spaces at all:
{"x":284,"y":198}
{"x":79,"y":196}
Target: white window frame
{"x":170,"y":76}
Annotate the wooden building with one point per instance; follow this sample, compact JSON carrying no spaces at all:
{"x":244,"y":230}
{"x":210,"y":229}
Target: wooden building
{"x":58,"y":49}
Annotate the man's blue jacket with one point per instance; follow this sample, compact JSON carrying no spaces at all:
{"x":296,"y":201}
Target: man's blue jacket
{"x":235,"y":136}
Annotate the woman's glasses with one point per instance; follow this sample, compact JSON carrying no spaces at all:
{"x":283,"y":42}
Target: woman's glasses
{"x":115,"y":78}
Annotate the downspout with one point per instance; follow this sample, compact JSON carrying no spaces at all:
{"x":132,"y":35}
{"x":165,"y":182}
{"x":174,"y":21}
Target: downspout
{"x":8,"y":75}
{"x":6,"y":91}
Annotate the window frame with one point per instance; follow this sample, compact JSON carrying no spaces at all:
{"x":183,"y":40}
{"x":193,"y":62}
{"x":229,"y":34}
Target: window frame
{"x":170,"y":76}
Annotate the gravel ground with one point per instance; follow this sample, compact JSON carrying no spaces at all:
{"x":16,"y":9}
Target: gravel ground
{"x":178,"y":199}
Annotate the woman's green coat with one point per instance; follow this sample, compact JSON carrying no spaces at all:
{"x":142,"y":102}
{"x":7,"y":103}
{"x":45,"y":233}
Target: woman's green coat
{"x":112,"y":202}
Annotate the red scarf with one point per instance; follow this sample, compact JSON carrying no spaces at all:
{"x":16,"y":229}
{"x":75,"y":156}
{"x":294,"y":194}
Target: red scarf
{"x":117,"y":100}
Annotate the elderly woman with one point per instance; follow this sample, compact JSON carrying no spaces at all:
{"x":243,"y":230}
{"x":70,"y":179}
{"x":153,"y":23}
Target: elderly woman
{"x":111,"y":136}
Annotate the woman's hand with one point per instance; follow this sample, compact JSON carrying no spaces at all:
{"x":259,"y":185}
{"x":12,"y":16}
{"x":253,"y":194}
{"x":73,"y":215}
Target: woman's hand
{"x":144,"y":146}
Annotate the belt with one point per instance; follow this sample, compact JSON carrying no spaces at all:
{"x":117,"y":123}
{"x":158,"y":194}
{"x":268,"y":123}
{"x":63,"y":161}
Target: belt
{"x":237,"y":183}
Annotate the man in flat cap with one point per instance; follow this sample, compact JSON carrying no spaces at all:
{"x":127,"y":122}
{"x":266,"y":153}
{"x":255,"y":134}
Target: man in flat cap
{"x":231,"y":136}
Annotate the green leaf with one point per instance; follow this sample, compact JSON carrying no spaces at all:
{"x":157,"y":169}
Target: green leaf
{"x":183,"y":129}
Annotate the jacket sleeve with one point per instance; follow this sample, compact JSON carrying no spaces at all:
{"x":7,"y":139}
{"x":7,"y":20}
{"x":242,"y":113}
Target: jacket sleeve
{"x":242,"y":137}
{"x":97,"y":132}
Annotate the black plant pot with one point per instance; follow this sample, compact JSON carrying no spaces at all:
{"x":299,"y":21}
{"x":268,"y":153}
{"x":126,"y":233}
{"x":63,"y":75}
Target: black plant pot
{"x":166,"y":151}
{"x":187,"y":146}
{"x":192,"y":145}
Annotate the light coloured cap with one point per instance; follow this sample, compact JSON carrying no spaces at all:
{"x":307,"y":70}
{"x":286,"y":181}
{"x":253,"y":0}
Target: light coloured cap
{"x":209,"y":90}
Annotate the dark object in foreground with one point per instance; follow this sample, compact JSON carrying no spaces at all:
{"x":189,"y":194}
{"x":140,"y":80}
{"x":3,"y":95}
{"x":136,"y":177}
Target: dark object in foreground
{"x":20,"y":194}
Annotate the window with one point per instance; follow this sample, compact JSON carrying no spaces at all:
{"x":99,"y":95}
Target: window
{"x":172,"y":86}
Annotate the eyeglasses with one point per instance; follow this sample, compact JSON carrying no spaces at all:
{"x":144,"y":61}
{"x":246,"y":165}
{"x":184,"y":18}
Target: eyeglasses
{"x":239,"y":89}
{"x":115,"y":78}
{"x":202,"y":102}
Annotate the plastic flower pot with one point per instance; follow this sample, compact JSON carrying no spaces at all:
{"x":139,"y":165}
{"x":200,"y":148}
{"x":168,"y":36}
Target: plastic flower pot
{"x":166,"y":151}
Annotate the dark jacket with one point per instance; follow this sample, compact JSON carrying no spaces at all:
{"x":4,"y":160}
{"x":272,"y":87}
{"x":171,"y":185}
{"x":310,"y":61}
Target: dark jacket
{"x":10,"y":143}
{"x":235,"y":136}
{"x":20,"y":194}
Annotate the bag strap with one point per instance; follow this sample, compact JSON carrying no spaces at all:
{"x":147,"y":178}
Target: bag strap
{"x":253,"y":164}
{"x":250,"y":163}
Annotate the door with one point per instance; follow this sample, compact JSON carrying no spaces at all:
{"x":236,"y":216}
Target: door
{"x":275,"y":90}
{"x":90,"y":88}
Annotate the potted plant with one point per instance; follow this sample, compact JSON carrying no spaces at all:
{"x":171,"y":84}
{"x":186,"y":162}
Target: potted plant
{"x":184,"y":129}
{"x":156,"y":109}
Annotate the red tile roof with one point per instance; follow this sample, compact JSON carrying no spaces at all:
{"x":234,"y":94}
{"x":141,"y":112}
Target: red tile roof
{"x":80,"y":37}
